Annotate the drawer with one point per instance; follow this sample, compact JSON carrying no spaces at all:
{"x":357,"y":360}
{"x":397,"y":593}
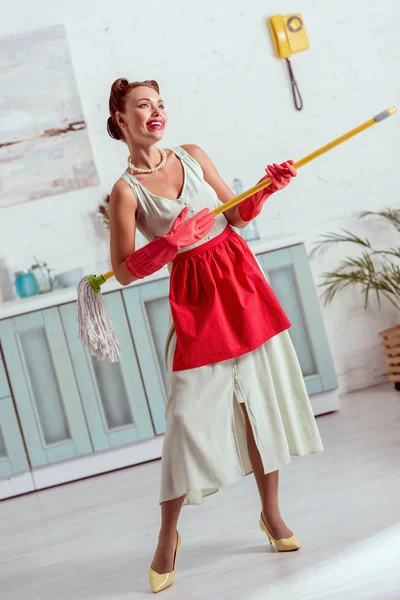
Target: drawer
{"x":4,"y":387}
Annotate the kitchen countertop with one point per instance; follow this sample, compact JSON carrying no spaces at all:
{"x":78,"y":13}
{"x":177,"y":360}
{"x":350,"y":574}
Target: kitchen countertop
{"x":20,"y":306}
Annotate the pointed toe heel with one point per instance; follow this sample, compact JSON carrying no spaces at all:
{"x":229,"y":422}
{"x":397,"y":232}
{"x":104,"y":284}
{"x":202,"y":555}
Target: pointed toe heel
{"x":161,"y":581}
{"x":284,"y":544}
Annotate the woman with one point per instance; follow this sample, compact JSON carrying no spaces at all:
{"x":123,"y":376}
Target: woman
{"x":229,"y":346}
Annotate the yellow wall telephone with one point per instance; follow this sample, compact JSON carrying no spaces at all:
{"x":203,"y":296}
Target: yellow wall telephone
{"x":288,"y":34}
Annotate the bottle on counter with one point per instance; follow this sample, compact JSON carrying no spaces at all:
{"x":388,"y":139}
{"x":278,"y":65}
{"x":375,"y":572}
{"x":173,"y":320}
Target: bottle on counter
{"x":250,"y":232}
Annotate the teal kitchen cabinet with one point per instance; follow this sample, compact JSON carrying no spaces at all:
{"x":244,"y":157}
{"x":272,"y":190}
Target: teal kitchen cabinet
{"x":44,"y":387}
{"x":13,"y":458}
{"x":148,"y":311}
{"x":289,"y":274}
{"x":112,"y":394}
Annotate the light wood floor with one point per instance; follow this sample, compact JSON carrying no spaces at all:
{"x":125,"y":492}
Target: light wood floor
{"x":94,"y":539}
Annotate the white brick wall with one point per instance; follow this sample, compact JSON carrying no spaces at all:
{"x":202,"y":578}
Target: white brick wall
{"x":226,"y":91}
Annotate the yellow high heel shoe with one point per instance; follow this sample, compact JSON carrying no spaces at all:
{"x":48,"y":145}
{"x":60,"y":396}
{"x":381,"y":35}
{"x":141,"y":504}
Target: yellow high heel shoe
{"x":159,"y":582}
{"x":284,"y":544}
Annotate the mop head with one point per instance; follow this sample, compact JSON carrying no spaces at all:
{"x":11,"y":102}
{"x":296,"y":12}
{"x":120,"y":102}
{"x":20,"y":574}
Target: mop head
{"x":95,"y":330}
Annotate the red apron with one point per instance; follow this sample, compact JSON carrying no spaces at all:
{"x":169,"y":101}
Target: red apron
{"x":222,"y":305}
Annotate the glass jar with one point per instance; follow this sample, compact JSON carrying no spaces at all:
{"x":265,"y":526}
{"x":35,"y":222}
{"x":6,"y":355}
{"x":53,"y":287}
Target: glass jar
{"x":25,"y":284}
{"x":43,"y":277}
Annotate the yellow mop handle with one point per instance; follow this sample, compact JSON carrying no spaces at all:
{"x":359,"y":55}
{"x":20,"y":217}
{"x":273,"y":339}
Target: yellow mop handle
{"x":303,"y":161}
{"x":300,"y":163}
{"x":108,"y":275}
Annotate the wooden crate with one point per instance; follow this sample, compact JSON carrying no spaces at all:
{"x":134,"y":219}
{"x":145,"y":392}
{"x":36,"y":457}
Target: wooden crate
{"x":390,"y":339}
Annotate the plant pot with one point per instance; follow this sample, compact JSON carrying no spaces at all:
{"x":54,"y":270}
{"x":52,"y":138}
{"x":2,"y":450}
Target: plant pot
{"x":390,"y":340}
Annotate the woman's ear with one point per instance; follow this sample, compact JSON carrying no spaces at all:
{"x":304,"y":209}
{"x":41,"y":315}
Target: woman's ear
{"x":120,"y":119}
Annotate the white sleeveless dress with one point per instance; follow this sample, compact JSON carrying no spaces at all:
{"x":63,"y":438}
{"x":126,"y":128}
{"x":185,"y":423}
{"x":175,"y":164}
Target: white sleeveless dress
{"x":205,"y":440}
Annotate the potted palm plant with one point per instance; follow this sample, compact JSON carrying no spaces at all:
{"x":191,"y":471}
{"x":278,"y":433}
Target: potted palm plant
{"x":377,"y":272}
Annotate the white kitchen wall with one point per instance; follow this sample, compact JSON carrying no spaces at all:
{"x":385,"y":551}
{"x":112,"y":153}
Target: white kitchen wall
{"x":225,"y":90}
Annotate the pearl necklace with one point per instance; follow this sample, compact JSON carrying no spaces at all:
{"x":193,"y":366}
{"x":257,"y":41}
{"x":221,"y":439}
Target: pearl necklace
{"x":159,"y":166}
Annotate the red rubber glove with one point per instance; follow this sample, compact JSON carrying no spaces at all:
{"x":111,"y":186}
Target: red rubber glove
{"x":162,"y":250}
{"x":281,"y":176}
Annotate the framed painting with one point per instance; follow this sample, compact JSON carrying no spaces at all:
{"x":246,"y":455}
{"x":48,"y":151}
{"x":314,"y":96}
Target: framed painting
{"x":44,"y":143}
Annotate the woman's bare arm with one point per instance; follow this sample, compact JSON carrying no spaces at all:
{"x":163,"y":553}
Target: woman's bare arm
{"x":123,"y":207}
{"x":213,"y":178}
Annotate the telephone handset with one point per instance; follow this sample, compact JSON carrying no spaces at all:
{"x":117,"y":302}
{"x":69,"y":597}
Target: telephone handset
{"x":289,"y":36}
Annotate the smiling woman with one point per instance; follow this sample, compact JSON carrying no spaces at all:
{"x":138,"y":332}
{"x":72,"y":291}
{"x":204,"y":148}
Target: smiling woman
{"x":228,"y":345}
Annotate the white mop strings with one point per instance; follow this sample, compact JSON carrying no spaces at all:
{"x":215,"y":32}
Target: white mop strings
{"x":95,"y":329}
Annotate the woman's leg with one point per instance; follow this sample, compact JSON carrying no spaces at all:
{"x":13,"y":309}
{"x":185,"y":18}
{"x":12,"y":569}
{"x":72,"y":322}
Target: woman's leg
{"x":267,"y":487}
{"x":163,"y":560}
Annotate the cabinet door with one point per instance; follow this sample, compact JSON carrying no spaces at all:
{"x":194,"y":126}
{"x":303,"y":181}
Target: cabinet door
{"x":112,"y":394}
{"x":44,"y":387}
{"x":148,"y":312}
{"x":4,"y":387}
{"x":290,"y":276}
{"x":13,"y":459}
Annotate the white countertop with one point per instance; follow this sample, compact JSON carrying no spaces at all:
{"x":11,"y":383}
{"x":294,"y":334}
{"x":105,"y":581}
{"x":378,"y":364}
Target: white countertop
{"x":21,"y":306}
